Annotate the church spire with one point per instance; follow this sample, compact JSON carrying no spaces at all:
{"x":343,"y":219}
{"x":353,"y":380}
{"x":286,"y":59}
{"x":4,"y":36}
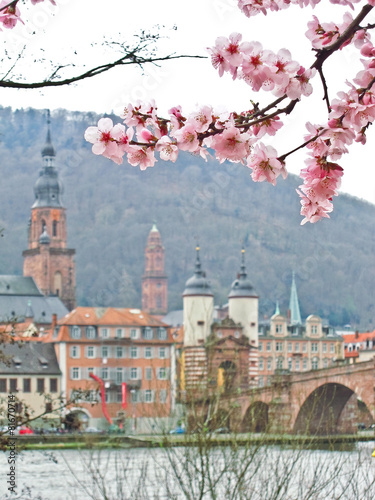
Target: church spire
{"x":295,"y":314}
{"x":48,"y":188}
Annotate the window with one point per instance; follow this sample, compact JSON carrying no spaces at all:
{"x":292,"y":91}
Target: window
{"x":119,"y":395}
{"x":324,"y":347}
{"x":279,"y":328}
{"x":27,"y":385}
{"x":53,"y":385}
{"x":290,"y":347}
{"x":279,"y":346}
{"x":148,"y":396}
{"x":13,"y":385}
{"x":268,"y":346}
{"x":133,"y":373}
{"x":54,"y":228}
{"x":75,"y":351}
{"x":269,"y":364}
{"x":48,"y":407}
{"x":162,"y":373}
{"x":134,"y":334}
{"x":75,"y":332}
{"x":332,"y":348}
{"x":163,"y":352}
{"x":279,"y":363}
{"x":119,"y":352}
{"x":134,"y":352}
{"x":260,"y":347}
{"x":314,"y":363}
{"x":314,"y":329}
{"x":163,"y":396}
{"x":261,"y":364}
{"x":104,"y":333}
{"x":90,"y":352}
{"x":314,"y":347}
{"x":105,"y":351}
{"x":325,"y":363}
{"x":119,"y":333}
{"x":90,"y":332}
{"x":40,"y":385}
{"x":118,"y":375}
{"x":134,"y":396}
{"x":105,"y":373}
{"x":75,"y":373}
{"x":148,"y":352}
{"x":296,"y":347}
{"x":162,"y":333}
{"x":304,"y":347}
{"x":261,"y":381}
{"x":148,"y":334}
{"x":148,"y":373}
{"x":297,"y":364}
{"x":305,"y":363}
{"x":3,"y":385}
{"x":290,"y":364}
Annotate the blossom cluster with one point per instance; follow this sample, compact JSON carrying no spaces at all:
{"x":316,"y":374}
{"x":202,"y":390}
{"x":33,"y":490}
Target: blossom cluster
{"x":261,"y":69}
{"x":229,"y":136}
{"x":10,"y":14}
{"x":254,"y":7}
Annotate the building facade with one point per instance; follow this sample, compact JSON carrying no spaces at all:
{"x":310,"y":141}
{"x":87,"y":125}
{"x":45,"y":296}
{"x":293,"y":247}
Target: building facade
{"x":117,"y":346}
{"x":31,"y":373}
{"x":47,"y":259}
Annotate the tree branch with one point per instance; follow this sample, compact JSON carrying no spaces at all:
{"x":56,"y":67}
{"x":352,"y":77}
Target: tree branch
{"x":130,"y":58}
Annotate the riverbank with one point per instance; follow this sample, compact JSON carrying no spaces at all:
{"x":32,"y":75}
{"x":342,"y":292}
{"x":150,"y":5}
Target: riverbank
{"x":105,"y":441}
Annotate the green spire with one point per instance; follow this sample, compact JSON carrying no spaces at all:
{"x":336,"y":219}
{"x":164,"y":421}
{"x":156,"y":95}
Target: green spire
{"x":277,"y":310}
{"x":295,"y":314}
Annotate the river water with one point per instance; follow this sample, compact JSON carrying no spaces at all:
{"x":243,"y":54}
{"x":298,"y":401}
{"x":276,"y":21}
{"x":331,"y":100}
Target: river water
{"x":220,"y":473}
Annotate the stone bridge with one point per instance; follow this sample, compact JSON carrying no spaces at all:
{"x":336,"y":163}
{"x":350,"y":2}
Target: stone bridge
{"x":328,"y":401}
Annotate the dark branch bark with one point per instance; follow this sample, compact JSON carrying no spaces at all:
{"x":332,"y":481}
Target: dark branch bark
{"x":131,"y":58}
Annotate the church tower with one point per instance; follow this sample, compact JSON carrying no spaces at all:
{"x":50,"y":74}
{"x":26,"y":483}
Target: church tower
{"x":47,"y":259}
{"x":154,"y":279}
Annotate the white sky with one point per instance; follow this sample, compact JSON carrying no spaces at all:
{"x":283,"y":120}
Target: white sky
{"x":76,"y":24}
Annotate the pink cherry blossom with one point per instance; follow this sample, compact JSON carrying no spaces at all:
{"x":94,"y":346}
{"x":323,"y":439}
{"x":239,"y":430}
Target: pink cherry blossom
{"x":142,"y":156}
{"x":265,"y":165}
{"x":201,"y":119}
{"x":9,"y":16}
{"x":187,"y":138}
{"x":167,"y":149}
{"x":231,"y":145}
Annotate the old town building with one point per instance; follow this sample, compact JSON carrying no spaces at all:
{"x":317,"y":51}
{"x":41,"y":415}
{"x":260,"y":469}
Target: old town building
{"x":154,"y":279}
{"x":117,"y":346}
{"x":286,"y":343}
{"x":30,"y":372}
{"x":359,"y":346}
{"x":48,"y":260}
{"x":218,"y":353}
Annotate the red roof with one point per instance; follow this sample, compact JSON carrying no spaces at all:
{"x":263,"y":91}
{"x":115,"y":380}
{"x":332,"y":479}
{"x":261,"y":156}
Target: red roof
{"x":351,"y":354}
{"x":109,"y":316}
{"x":352,"y":338}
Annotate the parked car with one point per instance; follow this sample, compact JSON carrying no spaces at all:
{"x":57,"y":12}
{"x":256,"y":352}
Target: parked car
{"x":25,"y":430}
{"x":221,"y":430}
{"x":178,"y":430}
{"x":92,"y":430}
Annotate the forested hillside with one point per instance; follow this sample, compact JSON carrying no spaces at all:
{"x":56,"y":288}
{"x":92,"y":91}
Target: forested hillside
{"x":111,"y":209}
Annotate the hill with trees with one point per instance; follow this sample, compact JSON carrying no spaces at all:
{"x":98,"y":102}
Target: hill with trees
{"x":111,"y":209}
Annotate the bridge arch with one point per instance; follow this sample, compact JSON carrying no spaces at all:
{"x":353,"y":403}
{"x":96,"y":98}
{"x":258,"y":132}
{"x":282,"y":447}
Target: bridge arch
{"x":331,"y":408}
{"x":255,"y":418}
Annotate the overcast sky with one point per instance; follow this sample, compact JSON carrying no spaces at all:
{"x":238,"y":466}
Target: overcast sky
{"x":73,"y":33}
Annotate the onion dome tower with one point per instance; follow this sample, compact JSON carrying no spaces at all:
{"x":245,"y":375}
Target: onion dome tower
{"x":198,"y":306}
{"x":47,"y":259}
{"x":154,"y":279}
{"x":243,"y":303}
